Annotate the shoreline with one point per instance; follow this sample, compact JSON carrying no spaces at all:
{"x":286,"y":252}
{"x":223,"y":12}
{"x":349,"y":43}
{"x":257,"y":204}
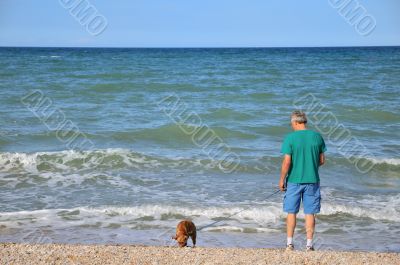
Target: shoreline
{"x":20,"y":253}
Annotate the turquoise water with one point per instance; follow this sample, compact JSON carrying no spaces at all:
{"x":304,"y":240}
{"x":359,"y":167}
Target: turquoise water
{"x":140,"y":121}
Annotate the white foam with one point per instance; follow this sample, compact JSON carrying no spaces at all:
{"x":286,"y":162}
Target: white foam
{"x":161,"y":216}
{"x":388,"y":161}
{"x":61,"y":160}
{"x":374,"y":207}
{"x":10,"y":161}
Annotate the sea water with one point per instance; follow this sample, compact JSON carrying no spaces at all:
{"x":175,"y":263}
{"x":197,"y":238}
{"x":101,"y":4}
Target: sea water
{"x":119,"y":145}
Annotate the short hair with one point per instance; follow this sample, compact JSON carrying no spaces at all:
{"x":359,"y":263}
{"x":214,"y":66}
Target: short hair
{"x":299,"y":116}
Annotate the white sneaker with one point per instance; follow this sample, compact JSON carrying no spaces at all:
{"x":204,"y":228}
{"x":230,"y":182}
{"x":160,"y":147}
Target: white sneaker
{"x":290,"y":247}
{"x":310,"y":248}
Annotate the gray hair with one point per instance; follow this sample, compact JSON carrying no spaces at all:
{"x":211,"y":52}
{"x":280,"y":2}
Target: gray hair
{"x":299,"y":116}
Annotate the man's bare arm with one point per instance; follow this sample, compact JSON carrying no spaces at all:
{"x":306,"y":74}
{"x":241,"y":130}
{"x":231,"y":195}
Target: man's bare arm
{"x":321,"y":159}
{"x":287,"y":160}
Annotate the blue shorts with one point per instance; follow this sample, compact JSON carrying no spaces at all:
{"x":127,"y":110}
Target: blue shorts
{"x":309,"y":193}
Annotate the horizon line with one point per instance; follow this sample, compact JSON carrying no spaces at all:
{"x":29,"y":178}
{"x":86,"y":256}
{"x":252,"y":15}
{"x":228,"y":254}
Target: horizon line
{"x":201,"y":47}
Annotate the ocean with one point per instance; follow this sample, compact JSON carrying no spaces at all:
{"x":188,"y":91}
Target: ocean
{"x":118,"y":145}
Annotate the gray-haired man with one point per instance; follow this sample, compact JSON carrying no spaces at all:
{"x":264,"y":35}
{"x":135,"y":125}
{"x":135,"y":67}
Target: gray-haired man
{"x":303,"y":152}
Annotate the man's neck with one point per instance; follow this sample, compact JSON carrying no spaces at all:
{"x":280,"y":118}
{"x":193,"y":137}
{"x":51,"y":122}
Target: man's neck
{"x":300,"y":128}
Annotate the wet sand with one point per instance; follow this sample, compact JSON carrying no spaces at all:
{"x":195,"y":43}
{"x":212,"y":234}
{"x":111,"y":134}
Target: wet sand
{"x":11,"y":253}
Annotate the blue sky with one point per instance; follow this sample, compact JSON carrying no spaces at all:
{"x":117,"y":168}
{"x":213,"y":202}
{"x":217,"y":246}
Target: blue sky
{"x":201,"y":23}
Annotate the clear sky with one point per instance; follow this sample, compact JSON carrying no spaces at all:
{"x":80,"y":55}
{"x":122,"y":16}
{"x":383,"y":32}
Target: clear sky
{"x":201,"y":23}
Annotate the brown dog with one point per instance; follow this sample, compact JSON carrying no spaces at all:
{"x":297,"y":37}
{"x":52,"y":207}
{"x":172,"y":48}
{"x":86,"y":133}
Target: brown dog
{"x":185,"y":229}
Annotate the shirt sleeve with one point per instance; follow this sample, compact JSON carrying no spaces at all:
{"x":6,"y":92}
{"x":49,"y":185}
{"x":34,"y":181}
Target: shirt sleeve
{"x":286,"y":146}
{"x":322,"y":146}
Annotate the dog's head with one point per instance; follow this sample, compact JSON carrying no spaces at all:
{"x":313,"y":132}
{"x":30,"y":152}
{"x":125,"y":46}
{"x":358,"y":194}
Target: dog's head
{"x":181,"y":239}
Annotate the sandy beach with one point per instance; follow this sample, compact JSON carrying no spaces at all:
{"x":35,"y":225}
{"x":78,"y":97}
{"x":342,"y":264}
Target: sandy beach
{"x":11,"y":253}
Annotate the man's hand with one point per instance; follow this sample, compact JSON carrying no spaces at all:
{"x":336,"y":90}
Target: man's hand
{"x":321,"y":159}
{"x":282,"y":185}
{"x":287,"y":160}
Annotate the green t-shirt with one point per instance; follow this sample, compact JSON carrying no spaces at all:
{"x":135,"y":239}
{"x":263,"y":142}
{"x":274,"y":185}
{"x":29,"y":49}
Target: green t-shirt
{"x":304,"y":147}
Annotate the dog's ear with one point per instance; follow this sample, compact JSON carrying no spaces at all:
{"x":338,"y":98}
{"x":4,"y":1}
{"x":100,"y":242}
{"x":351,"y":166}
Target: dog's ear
{"x":174,"y":237}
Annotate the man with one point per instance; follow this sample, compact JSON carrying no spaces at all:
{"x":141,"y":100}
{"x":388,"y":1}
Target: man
{"x":303,"y":152}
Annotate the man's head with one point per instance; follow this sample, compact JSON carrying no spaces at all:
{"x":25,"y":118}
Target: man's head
{"x":298,"y":120}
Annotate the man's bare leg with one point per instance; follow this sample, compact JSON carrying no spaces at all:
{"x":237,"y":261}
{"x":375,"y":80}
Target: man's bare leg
{"x":310,"y":226}
{"x":290,"y":226}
